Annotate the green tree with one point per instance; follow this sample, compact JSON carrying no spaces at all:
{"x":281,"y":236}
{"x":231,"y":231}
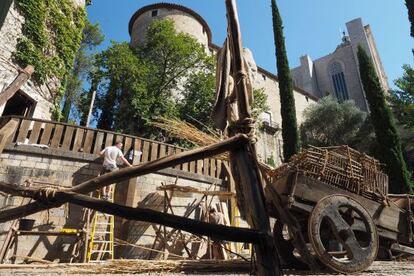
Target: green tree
{"x":290,"y":135}
{"x":330,"y":123}
{"x":410,"y":7}
{"x":83,"y":64}
{"x":382,"y":119}
{"x":170,"y":76}
{"x":119,"y":81}
{"x":402,"y":99}
{"x":148,"y":80}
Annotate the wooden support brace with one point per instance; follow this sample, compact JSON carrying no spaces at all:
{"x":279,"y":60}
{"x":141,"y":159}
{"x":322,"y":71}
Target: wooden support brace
{"x":195,"y":227}
{"x":20,"y":80}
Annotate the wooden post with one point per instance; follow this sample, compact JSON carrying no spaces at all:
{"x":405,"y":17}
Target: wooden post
{"x":88,"y":118}
{"x":20,"y":80}
{"x":6,"y":131}
{"x":243,"y":162}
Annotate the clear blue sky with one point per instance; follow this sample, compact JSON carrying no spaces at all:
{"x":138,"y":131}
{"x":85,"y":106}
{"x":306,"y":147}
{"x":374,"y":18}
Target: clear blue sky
{"x":311,"y":26}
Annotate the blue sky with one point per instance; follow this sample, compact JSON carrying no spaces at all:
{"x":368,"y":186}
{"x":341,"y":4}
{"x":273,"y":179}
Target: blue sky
{"x":311,"y":26}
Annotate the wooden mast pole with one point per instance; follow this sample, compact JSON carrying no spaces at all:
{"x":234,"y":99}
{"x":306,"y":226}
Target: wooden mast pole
{"x":244,"y":162}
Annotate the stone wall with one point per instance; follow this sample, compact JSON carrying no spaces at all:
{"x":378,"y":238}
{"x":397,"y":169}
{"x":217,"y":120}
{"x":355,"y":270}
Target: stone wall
{"x":344,"y":56}
{"x":10,"y":33}
{"x":19,"y":163}
{"x":270,"y":143}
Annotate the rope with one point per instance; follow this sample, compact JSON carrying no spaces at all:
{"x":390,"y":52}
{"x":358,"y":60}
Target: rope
{"x":47,"y":196}
{"x":246,"y":126}
{"x":240,"y":76}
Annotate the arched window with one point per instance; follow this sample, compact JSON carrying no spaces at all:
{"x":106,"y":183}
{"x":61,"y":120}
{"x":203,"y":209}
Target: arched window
{"x":338,"y":79}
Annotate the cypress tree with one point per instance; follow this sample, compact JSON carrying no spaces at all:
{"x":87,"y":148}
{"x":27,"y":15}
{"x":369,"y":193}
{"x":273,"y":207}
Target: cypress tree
{"x":290,"y":133}
{"x":385,"y":131}
{"x":410,"y":7}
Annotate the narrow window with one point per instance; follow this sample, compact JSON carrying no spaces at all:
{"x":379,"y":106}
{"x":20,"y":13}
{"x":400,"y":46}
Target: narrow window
{"x":264,"y":77}
{"x":338,"y":80}
{"x":266,"y":118}
{"x":154,"y":13}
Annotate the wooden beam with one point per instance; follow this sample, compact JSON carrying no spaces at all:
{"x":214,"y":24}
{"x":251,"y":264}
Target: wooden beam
{"x":20,"y":80}
{"x":244,"y":164}
{"x":195,"y":227}
{"x":233,"y":143}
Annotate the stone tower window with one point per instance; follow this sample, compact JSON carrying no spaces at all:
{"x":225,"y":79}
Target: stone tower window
{"x":338,"y":79}
{"x":154,"y":13}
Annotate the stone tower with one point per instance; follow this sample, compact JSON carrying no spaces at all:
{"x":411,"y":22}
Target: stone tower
{"x":31,"y":100}
{"x":185,"y":19}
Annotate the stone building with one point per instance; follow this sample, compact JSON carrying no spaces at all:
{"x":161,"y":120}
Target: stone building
{"x":32,"y":100}
{"x":338,"y":73}
{"x":269,"y":146}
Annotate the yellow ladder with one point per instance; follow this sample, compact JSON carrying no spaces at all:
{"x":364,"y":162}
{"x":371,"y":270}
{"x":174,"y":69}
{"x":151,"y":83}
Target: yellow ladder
{"x":101,"y":240}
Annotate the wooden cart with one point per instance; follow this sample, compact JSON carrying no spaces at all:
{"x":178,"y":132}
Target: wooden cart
{"x":339,"y":198}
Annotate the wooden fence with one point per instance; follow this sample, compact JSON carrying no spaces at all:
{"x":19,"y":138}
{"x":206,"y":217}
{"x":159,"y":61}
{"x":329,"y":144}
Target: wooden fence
{"x":74,"y":138}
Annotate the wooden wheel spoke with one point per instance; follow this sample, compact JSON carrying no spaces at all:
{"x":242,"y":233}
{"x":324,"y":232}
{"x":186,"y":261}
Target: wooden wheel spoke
{"x":345,"y":234}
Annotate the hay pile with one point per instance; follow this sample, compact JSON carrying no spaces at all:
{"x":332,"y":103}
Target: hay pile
{"x":138,"y":266}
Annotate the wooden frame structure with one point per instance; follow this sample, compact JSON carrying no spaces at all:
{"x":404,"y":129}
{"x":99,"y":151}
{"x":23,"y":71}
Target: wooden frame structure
{"x":244,"y":167}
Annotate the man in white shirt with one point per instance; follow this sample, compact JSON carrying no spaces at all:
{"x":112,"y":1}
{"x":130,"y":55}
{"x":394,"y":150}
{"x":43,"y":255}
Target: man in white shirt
{"x":111,"y":155}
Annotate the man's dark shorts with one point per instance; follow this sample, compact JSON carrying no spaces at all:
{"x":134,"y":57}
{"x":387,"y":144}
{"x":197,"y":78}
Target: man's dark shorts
{"x":108,"y":168}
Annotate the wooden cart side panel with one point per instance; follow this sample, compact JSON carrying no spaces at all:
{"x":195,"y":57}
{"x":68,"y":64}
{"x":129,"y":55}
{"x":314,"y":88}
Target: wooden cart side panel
{"x":388,"y":217}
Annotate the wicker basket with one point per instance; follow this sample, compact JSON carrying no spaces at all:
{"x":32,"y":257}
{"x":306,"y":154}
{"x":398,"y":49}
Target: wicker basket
{"x":341,"y":167}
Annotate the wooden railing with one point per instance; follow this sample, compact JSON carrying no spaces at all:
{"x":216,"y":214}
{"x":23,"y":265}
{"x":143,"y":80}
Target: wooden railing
{"x":79,"y":139}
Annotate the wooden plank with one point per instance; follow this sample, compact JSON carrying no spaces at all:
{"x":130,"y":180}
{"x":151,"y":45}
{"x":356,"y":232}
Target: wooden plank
{"x":213,"y":167}
{"x":185,"y":167}
{"x":120,"y":138}
{"x":47,"y":132}
{"x":163,"y":151}
{"x":137,"y":148}
{"x":109,"y":140}
{"x":57,"y":136}
{"x":98,"y":142}
{"x":77,"y":144}
{"x":145,"y":151}
{"x":127,"y":144}
{"x":219,"y":168}
{"x":7,"y":131}
{"x":34,"y":136}
{"x":200,"y":166}
{"x":193,"y":167}
{"x":206,"y":166}
{"x":170,"y":150}
{"x":154,"y":151}
{"x":177,"y":150}
{"x":14,"y":130}
{"x":23,"y":131}
{"x":87,"y":147}
{"x":68,"y":138}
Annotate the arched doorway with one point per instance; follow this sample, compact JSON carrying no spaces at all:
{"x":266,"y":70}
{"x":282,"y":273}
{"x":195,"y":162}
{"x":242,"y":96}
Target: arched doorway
{"x":20,"y":104}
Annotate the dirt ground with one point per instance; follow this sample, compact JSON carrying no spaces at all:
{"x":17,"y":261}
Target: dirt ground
{"x":377,"y":269}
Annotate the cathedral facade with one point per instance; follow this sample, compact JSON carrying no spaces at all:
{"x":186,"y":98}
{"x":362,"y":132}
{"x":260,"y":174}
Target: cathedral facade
{"x":337,"y":73}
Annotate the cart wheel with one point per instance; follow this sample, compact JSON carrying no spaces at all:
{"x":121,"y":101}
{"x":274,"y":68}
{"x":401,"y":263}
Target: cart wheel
{"x":285,"y":248}
{"x":340,"y":221}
